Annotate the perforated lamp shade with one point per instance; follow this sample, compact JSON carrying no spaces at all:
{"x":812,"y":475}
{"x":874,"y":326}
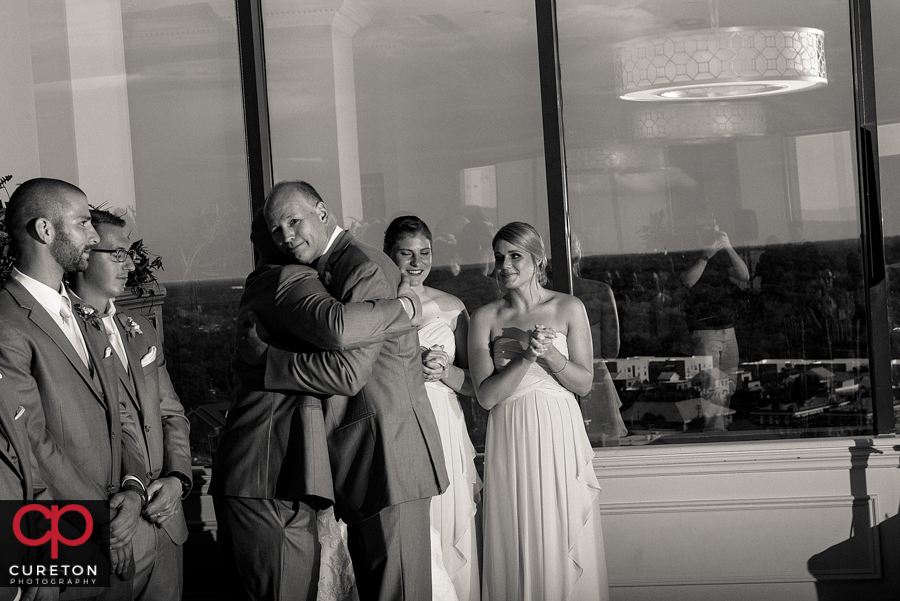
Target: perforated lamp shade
{"x":720,"y":63}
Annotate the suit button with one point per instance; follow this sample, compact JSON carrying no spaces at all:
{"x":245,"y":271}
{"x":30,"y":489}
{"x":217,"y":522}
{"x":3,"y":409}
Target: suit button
{"x":146,"y":428}
{"x":14,"y":458}
{"x":149,"y":475}
{"x":111,"y":488}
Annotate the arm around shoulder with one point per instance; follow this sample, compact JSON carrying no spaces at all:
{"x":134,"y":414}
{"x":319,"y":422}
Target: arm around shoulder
{"x":308,"y":311}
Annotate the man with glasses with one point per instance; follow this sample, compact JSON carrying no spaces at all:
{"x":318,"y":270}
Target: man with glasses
{"x":144,"y":384}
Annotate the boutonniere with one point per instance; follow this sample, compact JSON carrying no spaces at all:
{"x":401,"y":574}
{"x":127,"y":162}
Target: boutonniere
{"x":132,"y":329}
{"x":89,"y":315}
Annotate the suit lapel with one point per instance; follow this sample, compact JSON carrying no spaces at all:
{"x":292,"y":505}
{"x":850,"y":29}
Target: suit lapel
{"x":135,"y":377}
{"x":325,"y":266}
{"x":39,"y":316}
{"x":147,"y":407}
{"x":127,"y":381}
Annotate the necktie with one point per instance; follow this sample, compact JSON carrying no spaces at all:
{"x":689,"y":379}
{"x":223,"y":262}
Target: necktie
{"x":70,"y":328}
{"x":115,"y":340}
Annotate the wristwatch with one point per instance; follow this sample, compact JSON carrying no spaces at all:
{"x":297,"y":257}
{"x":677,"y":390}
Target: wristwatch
{"x":185,"y":482}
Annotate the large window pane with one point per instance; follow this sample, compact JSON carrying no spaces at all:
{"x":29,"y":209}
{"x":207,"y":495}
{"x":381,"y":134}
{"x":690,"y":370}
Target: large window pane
{"x":726,"y":227}
{"x":887,"y":82}
{"x":185,"y":110}
{"x":406,"y":109}
{"x":139,"y":104}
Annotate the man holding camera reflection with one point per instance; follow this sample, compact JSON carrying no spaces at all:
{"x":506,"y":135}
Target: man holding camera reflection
{"x":713,"y":278}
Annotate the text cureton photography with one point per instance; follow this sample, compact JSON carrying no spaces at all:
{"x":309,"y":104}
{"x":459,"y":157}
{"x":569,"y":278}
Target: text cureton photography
{"x":54,"y":543}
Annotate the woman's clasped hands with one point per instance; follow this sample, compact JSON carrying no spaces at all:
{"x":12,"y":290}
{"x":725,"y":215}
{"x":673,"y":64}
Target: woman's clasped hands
{"x":435,"y":363}
{"x":540,"y":342}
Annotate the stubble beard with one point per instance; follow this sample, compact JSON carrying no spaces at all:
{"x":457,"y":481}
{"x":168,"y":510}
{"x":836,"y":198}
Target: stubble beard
{"x":69,"y":256}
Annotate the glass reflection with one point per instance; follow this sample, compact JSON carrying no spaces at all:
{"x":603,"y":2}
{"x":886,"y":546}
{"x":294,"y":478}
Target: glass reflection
{"x":727,"y":232}
{"x":401,"y":110}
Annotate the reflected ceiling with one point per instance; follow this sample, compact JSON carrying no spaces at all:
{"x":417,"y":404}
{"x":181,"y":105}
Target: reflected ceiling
{"x":490,"y":45}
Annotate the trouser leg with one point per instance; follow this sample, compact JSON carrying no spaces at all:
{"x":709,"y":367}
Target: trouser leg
{"x":391,"y":553}
{"x":272,"y":544}
{"x":165,"y":581}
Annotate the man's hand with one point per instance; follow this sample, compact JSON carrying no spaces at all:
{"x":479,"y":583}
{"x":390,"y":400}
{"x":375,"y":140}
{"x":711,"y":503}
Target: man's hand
{"x":43,"y":593}
{"x":414,"y":306}
{"x":123,"y":526}
{"x":121,"y":561}
{"x":165,"y":495}
{"x":250,"y":344}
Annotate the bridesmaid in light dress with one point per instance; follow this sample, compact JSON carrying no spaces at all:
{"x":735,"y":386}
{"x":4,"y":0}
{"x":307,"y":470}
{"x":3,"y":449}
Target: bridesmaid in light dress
{"x":530,"y":353}
{"x":443,"y":334}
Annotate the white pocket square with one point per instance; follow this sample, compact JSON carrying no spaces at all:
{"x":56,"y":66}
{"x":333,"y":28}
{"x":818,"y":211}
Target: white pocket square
{"x":149,"y":358}
{"x":107,"y":352}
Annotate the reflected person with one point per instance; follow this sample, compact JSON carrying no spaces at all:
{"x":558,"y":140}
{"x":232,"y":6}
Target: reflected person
{"x":713,"y":277}
{"x":601,"y":405}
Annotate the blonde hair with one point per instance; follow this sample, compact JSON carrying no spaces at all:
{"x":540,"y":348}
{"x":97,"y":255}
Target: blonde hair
{"x":523,"y":235}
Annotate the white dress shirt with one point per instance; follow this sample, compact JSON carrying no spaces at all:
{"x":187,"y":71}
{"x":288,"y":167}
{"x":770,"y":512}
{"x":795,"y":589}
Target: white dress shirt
{"x":51,"y":301}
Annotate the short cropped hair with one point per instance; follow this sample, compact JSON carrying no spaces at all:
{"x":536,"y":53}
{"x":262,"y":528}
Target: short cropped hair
{"x":303,"y":188}
{"x":35,"y":198}
{"x":102,"y":216}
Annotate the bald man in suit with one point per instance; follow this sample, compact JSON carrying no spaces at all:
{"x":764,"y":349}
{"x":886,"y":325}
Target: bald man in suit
{"x":271,"y":470}
{"x":383,"y":441}
{"x":83,"y":440}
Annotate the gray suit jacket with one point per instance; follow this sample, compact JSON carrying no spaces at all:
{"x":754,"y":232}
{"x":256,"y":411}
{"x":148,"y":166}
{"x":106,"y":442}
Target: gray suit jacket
{"x":19,"y":478}
{"x":158,"y":414}
{"x":82,"y":438}
{"x":274,"y":442}
{"x":383,"y":440}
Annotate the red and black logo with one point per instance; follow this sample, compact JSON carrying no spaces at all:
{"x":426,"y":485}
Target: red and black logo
{"x":54,"y":543}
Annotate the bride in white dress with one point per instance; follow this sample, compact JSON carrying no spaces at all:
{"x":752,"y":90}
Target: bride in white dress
{"x":530,"y":352}
{"x":443,"y":333}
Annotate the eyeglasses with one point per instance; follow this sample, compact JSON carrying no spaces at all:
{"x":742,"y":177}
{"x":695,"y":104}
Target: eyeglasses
{"x":119,"y":255}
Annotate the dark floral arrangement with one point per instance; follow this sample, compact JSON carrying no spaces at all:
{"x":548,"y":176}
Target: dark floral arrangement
{"x":145,"y":264}
{"x":6,"y":251}
{"x":141,"y":281}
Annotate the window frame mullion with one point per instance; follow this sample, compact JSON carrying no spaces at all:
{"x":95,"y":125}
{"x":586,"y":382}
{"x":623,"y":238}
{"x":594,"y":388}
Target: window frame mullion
{"x":872,"y":239}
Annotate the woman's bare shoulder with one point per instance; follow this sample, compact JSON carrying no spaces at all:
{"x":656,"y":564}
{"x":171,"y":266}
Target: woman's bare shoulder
{"x":445,"y":300}
{"x":488,"y":311}
{"x":563,"y":300}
